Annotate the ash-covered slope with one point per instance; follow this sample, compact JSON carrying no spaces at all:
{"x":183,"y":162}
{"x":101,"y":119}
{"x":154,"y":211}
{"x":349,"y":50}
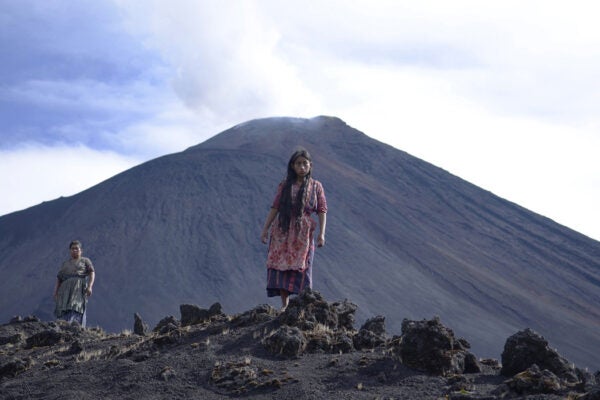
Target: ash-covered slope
{"x":405,"y":239}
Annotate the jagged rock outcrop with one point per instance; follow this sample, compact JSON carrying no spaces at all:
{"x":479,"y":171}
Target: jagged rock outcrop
{"x":312,"y":352}
{"x":14,"y":366}
{"x":192,"y":314}
{"x":12,"y":339}
{"x":258,"y":314}
{"x":430,"y":346}
{"x":531,"y":381}
{"x":372,"y":334}
{"x":308,"y":310}
{"x":537,"y":368}
{"x":526,"y":348}
{"x":311,"y":324}
{"x":167,"y":324}
{"x":288,"y":341}
{"x":139,"y":327}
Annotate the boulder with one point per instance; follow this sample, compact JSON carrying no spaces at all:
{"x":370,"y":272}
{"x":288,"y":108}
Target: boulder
{"x":531,"y":381}
{"x":12,"y":339}
{"x":166,"y":325}
{"x":192,"y":314}
{"x":48,"y":337}
{"x":139,"y":327}
{"x":258,"y":314}
{"x":309,"y":310}
{"x":472,"y":366}
{"x":428,"y":345}
{"x":287,"y":341}
{"x":371,"y":334}
{"x":525,"y":348}
{"x":15,"y":366}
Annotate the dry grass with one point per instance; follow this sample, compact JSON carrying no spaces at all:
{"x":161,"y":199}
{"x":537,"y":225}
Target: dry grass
{"x":86,"y":356}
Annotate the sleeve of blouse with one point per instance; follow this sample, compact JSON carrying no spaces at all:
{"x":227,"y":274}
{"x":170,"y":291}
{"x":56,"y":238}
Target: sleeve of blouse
{"x":321,"y":200}
{"x":89,"y":267}
{"x":275,"y":203}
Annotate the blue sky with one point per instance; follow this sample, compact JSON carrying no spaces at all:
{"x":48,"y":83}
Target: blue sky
{"x":505,"y":94}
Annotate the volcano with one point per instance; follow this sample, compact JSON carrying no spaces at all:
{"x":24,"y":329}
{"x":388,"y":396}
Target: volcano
{"x":405,"y":239}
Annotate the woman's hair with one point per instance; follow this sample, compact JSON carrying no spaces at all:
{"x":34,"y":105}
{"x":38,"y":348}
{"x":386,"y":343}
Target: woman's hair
{"x":75,"y":243}
{"x":289,"y":209}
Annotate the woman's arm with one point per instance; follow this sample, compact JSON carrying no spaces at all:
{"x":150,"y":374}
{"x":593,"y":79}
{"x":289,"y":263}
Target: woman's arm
{"x":264,"y":236}
{"x":322,"y":225}
{"x":91,"y":282}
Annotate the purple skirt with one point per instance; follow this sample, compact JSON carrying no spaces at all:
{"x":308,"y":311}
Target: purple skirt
{"x":292,"y":281}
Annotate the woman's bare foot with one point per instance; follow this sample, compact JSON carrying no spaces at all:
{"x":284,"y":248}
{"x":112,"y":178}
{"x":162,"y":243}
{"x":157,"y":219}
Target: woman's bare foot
{"x":285,"y":299}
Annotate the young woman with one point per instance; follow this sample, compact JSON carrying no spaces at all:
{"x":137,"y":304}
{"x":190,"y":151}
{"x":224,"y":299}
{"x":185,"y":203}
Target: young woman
{"x":291,"y":248}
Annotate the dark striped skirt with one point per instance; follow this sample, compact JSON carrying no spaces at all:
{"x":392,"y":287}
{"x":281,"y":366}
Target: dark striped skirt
{"x":292,"y":281}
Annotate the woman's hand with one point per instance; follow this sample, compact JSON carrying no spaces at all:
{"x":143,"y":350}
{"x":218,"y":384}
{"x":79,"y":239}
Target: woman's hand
{"x":88,"y":292}
{"x":321,"y":241}
{"x":264,"y":236}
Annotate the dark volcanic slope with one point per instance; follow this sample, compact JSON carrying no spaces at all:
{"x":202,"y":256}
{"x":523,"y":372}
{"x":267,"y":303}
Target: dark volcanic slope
{"x":405,"y":239}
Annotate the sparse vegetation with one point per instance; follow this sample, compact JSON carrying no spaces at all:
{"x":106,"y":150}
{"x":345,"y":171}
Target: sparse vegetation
{"x":179,"y":362}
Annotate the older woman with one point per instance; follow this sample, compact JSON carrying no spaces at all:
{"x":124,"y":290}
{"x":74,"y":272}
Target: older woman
{"x":74,"y":284}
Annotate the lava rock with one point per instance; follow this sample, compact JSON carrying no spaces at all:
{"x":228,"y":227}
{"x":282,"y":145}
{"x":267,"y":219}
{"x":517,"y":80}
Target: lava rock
{"x":428,"y":345}
{"x":286,"y":341}
{"x":167,"y":325}
{"x":309,"y":309}
{"x":532,"y":381}
{"x":12,"y":339}
{"x":371,"y":334}
{"x":526,"y":348}
{"x":15,"y":366}
{"x":48,"y":337}
{"x":258,"y":314}
{"x":192,"y":314}
{"x":75,"y":348}
{"x":472,"y":366}
{"x":139,"y":327}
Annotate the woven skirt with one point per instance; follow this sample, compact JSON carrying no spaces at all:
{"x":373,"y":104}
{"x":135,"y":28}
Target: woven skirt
{"x":292,"y":281}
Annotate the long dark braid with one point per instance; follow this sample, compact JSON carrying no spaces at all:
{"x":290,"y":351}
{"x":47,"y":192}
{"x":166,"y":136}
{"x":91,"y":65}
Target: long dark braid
{"x":287,"y":207}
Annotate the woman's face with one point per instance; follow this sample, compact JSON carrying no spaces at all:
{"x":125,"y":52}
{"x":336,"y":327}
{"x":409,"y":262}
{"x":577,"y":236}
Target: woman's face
{"x":301,"y":166}
{"x":75,"y":251}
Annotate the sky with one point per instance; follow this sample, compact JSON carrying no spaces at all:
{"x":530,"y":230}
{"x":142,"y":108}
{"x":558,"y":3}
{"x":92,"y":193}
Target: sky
{"x":504,"y":94}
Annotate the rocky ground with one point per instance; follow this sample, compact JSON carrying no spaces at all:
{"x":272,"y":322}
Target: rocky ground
{"x":310,"y":351}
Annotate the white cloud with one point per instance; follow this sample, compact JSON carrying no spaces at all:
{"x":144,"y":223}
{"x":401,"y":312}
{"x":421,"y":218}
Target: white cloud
{"x":31,"y":174}
{"x":226,"y":58}
{"x":503,"y":93}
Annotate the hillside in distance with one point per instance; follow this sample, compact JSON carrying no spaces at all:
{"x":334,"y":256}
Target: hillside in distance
{"x":405,"y":239}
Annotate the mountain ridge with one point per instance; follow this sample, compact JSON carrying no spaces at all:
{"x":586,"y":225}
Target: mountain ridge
{"x":405,"y":239}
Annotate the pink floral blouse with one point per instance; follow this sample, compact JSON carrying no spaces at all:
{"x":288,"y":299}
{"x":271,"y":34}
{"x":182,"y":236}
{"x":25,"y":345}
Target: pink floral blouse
{"x":290,"y":250}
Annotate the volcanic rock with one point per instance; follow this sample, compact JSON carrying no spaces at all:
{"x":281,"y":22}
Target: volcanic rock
{"x":532,"y":381}
{"x":287,"y":341}
{"x":255,"y":356}
{"x":430,"y":346}
{"x":139,"y":327}
{"x":525,"y":348}
{"x":191,"y":314}
{"x":372,"y":334}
